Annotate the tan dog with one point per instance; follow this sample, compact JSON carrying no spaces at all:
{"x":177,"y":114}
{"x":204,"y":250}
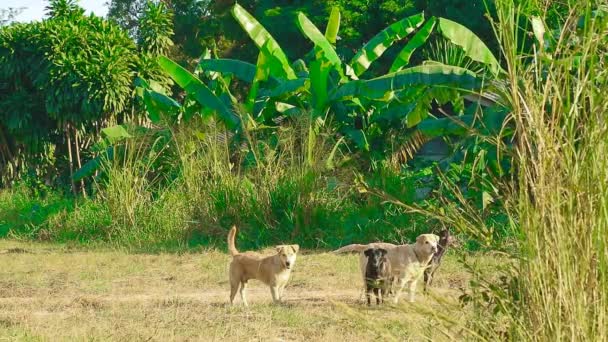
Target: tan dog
{"x":408,"y":261}
{"x":273,"y":270}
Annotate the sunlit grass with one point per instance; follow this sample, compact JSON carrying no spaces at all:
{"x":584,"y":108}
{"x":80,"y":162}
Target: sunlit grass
{"x":63,"y":292}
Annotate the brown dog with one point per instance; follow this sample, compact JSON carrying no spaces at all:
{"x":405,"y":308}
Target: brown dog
{"x":408,"y":262}
{"x":445,"y":240}
{"x":273,"y":270}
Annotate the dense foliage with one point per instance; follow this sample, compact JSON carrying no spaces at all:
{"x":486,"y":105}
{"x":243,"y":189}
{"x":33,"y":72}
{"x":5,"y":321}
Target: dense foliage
{"x":210,"y":22}
{"x":63,"y":80}
{"x":291,"y":131}
{"x":325,"y":123}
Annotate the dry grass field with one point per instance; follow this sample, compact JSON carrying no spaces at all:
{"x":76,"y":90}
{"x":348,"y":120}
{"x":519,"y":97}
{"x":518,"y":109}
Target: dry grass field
{"x":61,"y":293}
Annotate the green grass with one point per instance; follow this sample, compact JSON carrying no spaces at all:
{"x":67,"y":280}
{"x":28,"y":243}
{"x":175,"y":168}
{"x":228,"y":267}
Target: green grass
{"x":136,"y":206}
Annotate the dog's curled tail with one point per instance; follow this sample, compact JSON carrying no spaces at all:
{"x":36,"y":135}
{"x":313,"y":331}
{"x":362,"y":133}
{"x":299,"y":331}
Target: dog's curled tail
{"x":231,"y":246}
{"x":354,"y":248}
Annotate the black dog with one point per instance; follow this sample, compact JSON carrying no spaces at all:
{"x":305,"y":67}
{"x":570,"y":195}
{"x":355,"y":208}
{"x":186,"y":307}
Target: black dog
{"x":442,"y":246}
{"x":377,"y":274}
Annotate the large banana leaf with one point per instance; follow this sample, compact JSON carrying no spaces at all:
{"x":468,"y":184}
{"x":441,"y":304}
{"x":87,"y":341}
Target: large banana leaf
{"x":242,"y":70}
{"x":260,"y":73}
{"x":383,"y":40}
{"x":393,"y":113}
{"x":319,"y":77}
{"x":312,"y":32}
{"x":474,"y":47}
{"x":199,"y":91}
{"x":431,"y":75}
{"x":261,"y":37}
{"x":489,"y":122}
{"x":89,"y":168}
{"x":284,"y":87}
{"x":333,"y":26}
{"x":116,"y":133}
{"x":158,"y":104}
{"x":446,"y":126}
{"x":403,"y":58}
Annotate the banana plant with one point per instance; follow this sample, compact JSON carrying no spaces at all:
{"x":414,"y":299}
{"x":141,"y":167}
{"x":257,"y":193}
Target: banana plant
{"x":327,"y":85}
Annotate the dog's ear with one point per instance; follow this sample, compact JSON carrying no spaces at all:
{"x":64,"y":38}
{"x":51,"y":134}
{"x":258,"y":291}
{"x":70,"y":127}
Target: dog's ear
{"x":295,"y":248}
{"x":437,"y":238}
{"x":368,"y":252}
{"x":280,"y":248}
{"x":419,"y":238}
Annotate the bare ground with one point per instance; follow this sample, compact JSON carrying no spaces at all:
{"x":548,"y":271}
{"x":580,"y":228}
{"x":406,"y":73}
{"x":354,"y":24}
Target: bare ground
{"x":58,"y":293}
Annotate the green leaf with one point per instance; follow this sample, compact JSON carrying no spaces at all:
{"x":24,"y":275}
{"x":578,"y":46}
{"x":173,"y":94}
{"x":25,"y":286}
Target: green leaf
{"x":287,"y":109}
{"x":312,"y":32}
{"x":261,"y":37}
{"x":393,"y":113}
{"x":199,"y":91}
{"x":486,"y":199}
{"x":413,"y":118}
{"x":261,"y":73}
{"x":472,"y":45}
{"x":285,"y":87}
{"x":382,"y":41}
{"x":116,"y":133}
{"x":359,"y":138}
{"x":430,"y":75}
{"x":319,"y":75}
{"x":242,"y":70}
{"x":493,"y":119}
{"x":403,"y":58}
{"x":89,"y":168}
{"x":333,"y":26}
{"x":446,"y":126}
{"x":329,"y":164}
{"x":158,"y":104}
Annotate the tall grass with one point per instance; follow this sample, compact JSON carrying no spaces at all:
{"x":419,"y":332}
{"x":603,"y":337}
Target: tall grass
{"x":275,"y":189}
{"x":560,"y":106}
{"x":555,"y":286}
{"x":185,"y":186}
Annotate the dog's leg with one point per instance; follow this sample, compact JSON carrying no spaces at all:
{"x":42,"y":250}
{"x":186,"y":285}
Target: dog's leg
{"x":399,"y":285}
{"x":432,"y":274}
{"x":283,"y":291}
{"x":274,"y":291}
{"x":362,"y":266}
{"x":368,"y":294}
{"x":363,"y":294}
{"x":412,"y":290}
{"x":383,"y":292}
{"x":279,"y":292}
{"x":234,"y":286}
{"x":364,"y":289}
{"x":429,"y":273}
{"x":243,"y":294}
{"x":377,"y":292}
